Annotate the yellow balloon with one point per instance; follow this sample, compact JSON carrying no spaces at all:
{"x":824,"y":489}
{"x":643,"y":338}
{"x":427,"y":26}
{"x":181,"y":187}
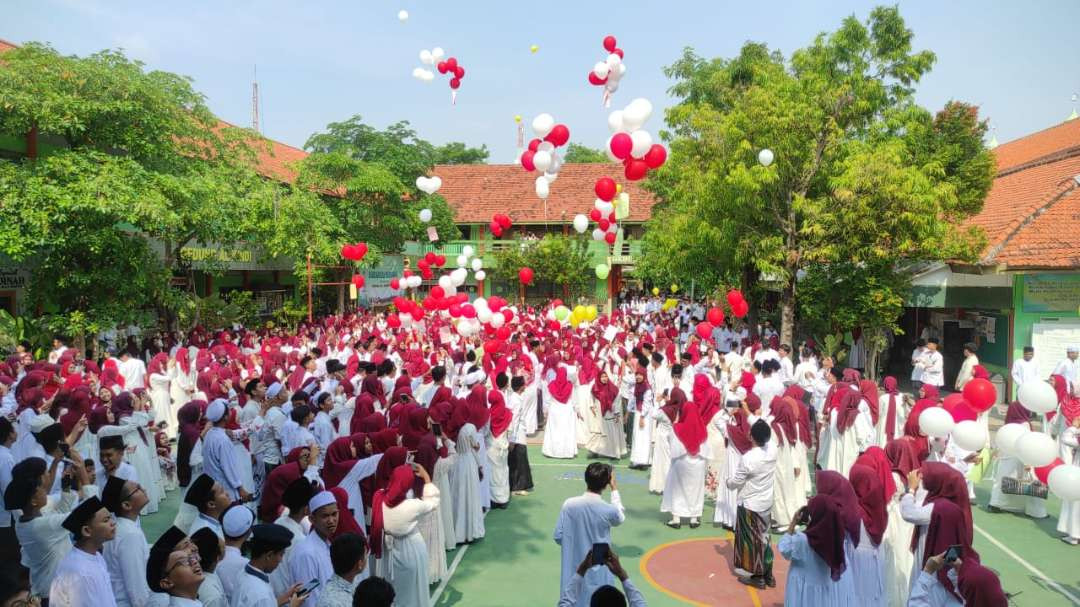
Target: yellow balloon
{"x":517,"y":118}
{"x":618,"y":188}
{"x":591,"y":313}
{"x":534,"y":48}
{"x":656,"y":290}
{"x":674,"y":288}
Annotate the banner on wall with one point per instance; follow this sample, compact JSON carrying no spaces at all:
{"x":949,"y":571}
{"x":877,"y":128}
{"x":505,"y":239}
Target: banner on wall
{"x":1051,"y":292}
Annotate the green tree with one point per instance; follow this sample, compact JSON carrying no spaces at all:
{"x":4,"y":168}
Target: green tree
{"x":555,"y":259}
{"x":139,"y":154}
{"x":576,"y":153}
{"x":861,"y":174}
{"x":456,"y":152}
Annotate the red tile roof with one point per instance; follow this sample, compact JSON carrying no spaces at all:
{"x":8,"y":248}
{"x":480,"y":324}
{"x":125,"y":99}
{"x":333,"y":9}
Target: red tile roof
{"x":476,"y":192}
{"x":7,"y":46}
{"x":1032,"y":213}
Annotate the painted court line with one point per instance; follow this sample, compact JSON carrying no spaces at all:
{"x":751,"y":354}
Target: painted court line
{"x":643,"y":567}
{"x":449,"y":573}
{"x":1030,"y":567}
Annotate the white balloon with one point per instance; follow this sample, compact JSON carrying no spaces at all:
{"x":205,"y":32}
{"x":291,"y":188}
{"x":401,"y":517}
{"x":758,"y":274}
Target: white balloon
{"x":607,"y":150}
{"x":426,"y":58}
{"x":614,"y":121}
{"x":477,"y":265}
{"x":1037,"y":396}
{"x":969,"y":435}
{"x":597,"y":234}
{"x":425,"y":215}
{"x":603,"y":207}
{"x":1007,"y":436}
{"x":497,"y":320}
{"x":406,"y":320}
{"x":636,"y":114}
{"x":481,"y":275}
{"x":581,"y":223}
{"x":621,"y":71}
{"x":450,"y":289}
{"x":467,"y":250}
{"x":403,"y":16}
{"x":612,"y":85}
{"x":542,"y":160}
{"x":551,"y":177}
{"x":542,"y":188}
{"x":458,"y":276}
{"x":445,"y":282}
{"x":601,"y":70}
{"x":1036,"y":449}
{"x":483,"y":315}
{"x":765,"y":157}
{"x":437,"y":53}
{"x":461,"y":261}
{"x":545,"y":146}
{"x":936,"y":421}
{"x":1064,"y":481}
{"x":613,"y":61}
{"x":642,"y":141}
{"x":556,"y":164}
{"x":480,"y":303}
{"x":543,"y":124}
{"x":428,"y":76}
{"x":551,"y":314}
{"x":418,"y":73}
{"x":428,"y":185}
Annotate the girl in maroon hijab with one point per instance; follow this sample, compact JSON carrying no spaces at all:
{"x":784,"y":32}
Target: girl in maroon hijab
{"x":499,"y":449}
{"x":684,"y":490}
{"x":610,"y":441}
{"x":818,"y":574}
{"x":893,"y":411}
{"x":560,"y":434}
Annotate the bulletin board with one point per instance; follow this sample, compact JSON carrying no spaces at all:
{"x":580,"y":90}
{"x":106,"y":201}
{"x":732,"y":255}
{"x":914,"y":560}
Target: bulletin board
{"x":1050,"y":341}
{"x":992,"y":331}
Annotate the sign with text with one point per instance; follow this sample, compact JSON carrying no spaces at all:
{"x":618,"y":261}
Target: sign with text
{"x":1051,"y":292}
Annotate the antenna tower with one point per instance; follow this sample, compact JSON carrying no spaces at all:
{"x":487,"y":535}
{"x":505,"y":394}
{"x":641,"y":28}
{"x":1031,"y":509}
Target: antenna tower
{"x":255,"y":100}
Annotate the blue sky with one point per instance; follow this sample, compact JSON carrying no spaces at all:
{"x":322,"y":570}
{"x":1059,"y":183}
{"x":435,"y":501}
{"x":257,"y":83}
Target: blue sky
{"x":321,"y":61}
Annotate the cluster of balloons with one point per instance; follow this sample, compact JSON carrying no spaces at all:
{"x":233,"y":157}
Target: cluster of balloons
{"x":428,"y":58}
{"x":541,"y":155}
{"x":354,"y":252}
{"x":603,"y":212}
{"x":1039,"y":451}
{"x":408,"y":280}
{"x":499,"y":223}
{"x":467,"y":260}
{"x":608,"y":72}
{"x":958,"y":415}
{"x":715,"y":316}
{"x":739,"y":307}
{"x":632,"y":145}
{"x":450,"y":66}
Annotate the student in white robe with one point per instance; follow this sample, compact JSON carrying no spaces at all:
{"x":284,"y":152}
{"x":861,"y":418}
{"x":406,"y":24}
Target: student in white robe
{"x":684,"y":489}
{"x":131,"y":423}
{"x":937,"y":503}
{"x":219,"y":457}
{"x":640,"y":406}
{"x":126,"y":555}
{"x":663,"y":418}
{"x":211,"y":548}
{"x":606,"y":434}
{"x":310,"y":558}
{"x":586,"y":520}
{"x":396,"y":540}
{"x":517,"y":456}
{"x":892,"y":415}
{"x":1010,"y":466}
{"x":43,"y":539}
{"x":736,"y":429}
{"x":236,"y":524}
{"x":869,"y":559}
{"x":349,"y":461}
{"x":753,"y":558}
{"x":159,"y":375}
{"x":900,"y":458}
{"x":466,"y":476}
{"x":323,"y":427}
{"x":850,"y":429}
{"x":498,"y":449}
{"x":267,"y":546}
{"x":295,"y":498}
{"x":788,"y":494}
{"x":181,"y":388}
{"x":560,"y":433}
{"x":605,"y":595}
{"x":210,"y":500}
{"x":82,"y":578}
{"x":768,"y":384}
{"x":1069,"y":519}
{"x":819,"y":574}
{"x":110,"y":463}
{"x":710,"y":403}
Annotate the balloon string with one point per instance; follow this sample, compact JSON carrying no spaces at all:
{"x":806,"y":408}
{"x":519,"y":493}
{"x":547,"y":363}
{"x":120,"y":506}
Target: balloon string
{"x":520,"y":135}
{"x":607,"y":98}
{"x":453,"y":97}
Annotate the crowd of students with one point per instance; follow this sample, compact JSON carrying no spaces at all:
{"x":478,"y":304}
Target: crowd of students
{"x":346,"y":457}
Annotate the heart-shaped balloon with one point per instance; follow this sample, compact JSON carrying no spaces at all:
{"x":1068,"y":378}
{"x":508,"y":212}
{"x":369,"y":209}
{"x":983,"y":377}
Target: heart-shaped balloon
{"x":428,"y":185}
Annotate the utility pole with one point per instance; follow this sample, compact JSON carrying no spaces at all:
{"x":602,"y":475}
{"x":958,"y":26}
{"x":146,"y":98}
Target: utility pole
{"x":255,"y":99}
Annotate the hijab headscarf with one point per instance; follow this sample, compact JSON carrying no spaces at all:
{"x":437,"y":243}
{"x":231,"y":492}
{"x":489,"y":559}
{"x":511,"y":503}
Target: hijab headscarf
{"x":371,"y":423}
{"x":1017,"y":413}
{"x":833,"y":484}
{"x":640,"y":388}
{"x":738,"y":431}
{"x":850,"y":400}
{"x":980,"y":587}
{"x":785,"y":422}
{"x":605,"y":392}
{"x":825,"y":534}
{"x":871,"y":495}
{"x":277,"y":482}
{"x":876,"y":459}
{"x":706,"y":397}
{"x":946,"y":529}
{"x":893,"y":390}
{"x":346,"y":521}
{"x":477,"y":404}
{"x":903,"y":455}
{"x":500,"y":415}
{"x":399,"y":481}
{"x":338,"y":462}
{"x":942,"y":482}
{"x":870,"y":394}
{"x":413,"y":426}
{"x":674,"y":404}
{"x":797,"y":393}
{"x":690,"y":430}
{"x":561,"y":388}
{"x":189,"y":417}
{"x":363,"y":406}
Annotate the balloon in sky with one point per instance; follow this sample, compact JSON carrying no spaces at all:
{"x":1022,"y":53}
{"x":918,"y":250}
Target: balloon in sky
{"x":403,"y":16}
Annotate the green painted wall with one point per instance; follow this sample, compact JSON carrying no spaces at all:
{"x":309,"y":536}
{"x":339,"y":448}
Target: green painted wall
{"x":1023,"y":321}
{"x":992,"y":298}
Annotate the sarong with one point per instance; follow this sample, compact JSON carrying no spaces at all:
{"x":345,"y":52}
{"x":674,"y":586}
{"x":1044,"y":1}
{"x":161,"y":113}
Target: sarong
{"x":520,"y":472}
{"x":753,"y":553}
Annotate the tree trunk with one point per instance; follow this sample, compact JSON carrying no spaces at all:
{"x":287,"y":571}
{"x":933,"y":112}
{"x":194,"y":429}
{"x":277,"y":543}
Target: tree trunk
{"x":340,"y":294}
{"x":787,"y":311}
{"x":747,"y":283}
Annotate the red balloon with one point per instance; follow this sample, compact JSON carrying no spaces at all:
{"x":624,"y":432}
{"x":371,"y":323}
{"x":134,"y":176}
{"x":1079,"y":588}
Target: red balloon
{"x":704,"y":330}
{"x":525,"y":275}
{"x":495,"y":302}
{"x":495,"y":228}
{"x":422,"y":264}
{"x":462,"y":298}
{"x":604,"y":224}
{"x":455,"y":310}
{"x":451,"y":63}
{"x":395,"y":284}
{"x":406,"y":272}
{"x":440,"y":260}
{"x":468,"y":311}
{"x":734,"y":297}
{"x":555,"y":303}
{"x":1043,"y":472}
{"x":429,"y":257}
{"x":611,"y":217}
{"x":596,"y":80}
{"x":980,"y":394}
{"x":489,"y":330}
{"x":619,"y":52}
{"x":716,"y":316}
{"x":441,"y":67}
{"x":430,"y":303}
{"x":358,"y":281}
{"x":559,"y":135}
{"x":621,"y":144}
{"x":503,"y":333}
{"x":534,"y":144}
{"x":635,"y":169}
{"x":504,"y":221}
{"x":656,"y":156}
{"x":438,"y":292}
{"x":605,"y":189}
{"x":595,"y":215}
{"x":417,"y":314}
{"x":741,"y":310}
{"x":347,"y":251}
{"x":455,"y":83}
{"x":427,"y":274}
{"x":393,"y":321}
{"x":459,"y":72}
{"x":527,"y":160}
{"x":553,"y":325}
{"x":958,"y":408}
{"x":508,"y":314}
{"x":609,"y":238}
{"x":361,"y":250}
{"x":610,"y":44}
